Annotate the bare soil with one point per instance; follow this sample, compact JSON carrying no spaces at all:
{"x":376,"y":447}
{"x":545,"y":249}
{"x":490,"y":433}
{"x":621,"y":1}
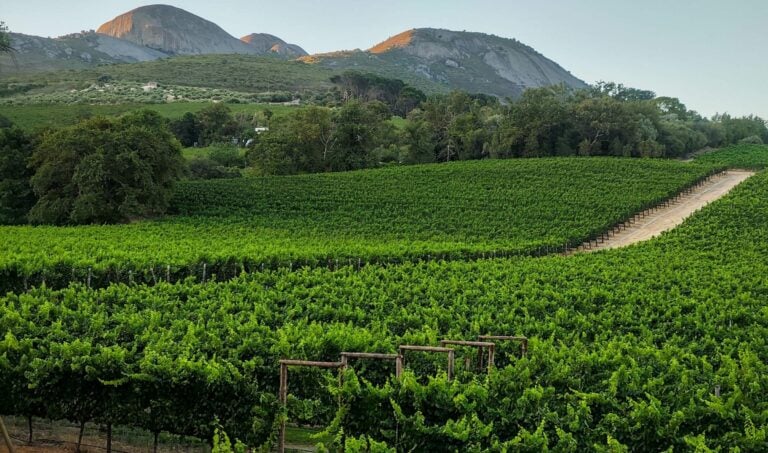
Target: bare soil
{"x":651,"y":223}
{"x":61,"y":437}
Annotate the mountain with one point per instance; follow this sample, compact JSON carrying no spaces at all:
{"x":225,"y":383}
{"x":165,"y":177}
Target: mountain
{"x":473,"y":62}
{"x":432,"y":60}
{"x":266,"y":43}
{"x":174,"y":31}
{"x":79,"y":50}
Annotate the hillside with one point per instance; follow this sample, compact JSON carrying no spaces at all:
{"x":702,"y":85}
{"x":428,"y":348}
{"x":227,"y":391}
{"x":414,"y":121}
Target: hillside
{"x":622,"y":333}
{"x":244,"y":73}
{"x":457,"y":210}
{"x":79,"y":50}
{"x":433,"y":60}
{"x":473,"y":62}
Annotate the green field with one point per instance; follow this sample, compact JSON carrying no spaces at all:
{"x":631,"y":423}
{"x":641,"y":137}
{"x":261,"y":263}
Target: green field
{"x":41,"y":116}
{"x":449,"y":211}
{"x":658,"y":347}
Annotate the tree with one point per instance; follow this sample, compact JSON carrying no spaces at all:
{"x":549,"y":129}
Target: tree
{"x":6,"y":44}
{"x":358,"y":132}
{"x":16,"y":196}
{"x":186,"y":129}
{"x":217,"y":125}
{"x":105,"y":170}
{"x":399,"y":97}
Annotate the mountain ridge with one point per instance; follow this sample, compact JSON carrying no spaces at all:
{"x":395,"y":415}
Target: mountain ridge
{"x":432,"y":59}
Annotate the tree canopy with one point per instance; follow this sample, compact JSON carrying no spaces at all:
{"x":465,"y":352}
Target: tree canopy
{"x":16,"y":196}
{"x":105,"y":170}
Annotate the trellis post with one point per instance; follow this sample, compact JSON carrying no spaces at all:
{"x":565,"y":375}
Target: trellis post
{"x":520,"y":339}
{"x":284,"y":364}
{"x":480,"y":345}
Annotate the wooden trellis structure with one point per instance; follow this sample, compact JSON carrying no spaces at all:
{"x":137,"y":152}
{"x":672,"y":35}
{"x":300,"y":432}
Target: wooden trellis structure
{"x":439,"y":350}
{"x":284,"y":364}
{"x":345,"y":356}
{"x":480,"y":345}
{"x":486,"y":350}
{"x":522,"y":340}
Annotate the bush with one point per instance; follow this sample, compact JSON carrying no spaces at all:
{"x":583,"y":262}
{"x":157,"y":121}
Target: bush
{"x":202,"y":168}
{"x":227,"y":156}
{"x":751,"y":140}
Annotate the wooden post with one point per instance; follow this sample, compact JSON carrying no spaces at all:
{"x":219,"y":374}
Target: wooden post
{"x":522,"y":340}
{"x":284,"y":364}
{"x":480,"y":345}
{"x":442,"y":350}
{"x":283,"y":404}
{"x":7,"y":437}
{"x":345,"y":356}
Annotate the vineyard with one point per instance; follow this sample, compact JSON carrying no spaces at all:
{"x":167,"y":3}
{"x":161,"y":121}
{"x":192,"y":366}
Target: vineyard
{"x":418,"y":213}
{"x":662,"y":346}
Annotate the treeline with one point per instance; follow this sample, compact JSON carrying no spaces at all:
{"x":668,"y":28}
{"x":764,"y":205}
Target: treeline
{"x":606,"y":120}
{"x":116,"y":170}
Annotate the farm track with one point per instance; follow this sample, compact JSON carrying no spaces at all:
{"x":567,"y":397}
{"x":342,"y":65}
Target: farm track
{"x":668,"y":215}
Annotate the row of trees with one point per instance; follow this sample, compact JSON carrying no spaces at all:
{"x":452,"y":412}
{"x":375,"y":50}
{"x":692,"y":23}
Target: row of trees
{"x":606,"y":120}
{"x":98,"y":171}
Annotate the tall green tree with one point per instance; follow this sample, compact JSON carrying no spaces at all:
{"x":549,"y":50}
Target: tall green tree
{"x":217,"y":125}
{"x":16,"y":195}
{"x":105,"y":170}
{"x":5,"y":38}
{"x":359,"y":129}
{"x":187,"y":129}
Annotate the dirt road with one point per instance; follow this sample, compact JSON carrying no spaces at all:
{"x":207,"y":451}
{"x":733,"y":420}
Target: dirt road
{"x":661,"y":219}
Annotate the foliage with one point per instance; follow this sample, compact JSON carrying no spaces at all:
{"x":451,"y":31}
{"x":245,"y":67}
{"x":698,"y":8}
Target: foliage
{"x":222,"y":444}
{"x":427,"y":212}
{"x":31,"y":117}
{"x":657,"y":347}
{"x":317,"y":139}
{"x":6,"y":45}
{"x":216,"y":125}
{"x":186,"y":129}
{"x":105,"y":171}
{"x":16,"y":196}
{"x":396,"y":94}
{"x":207,"y":168}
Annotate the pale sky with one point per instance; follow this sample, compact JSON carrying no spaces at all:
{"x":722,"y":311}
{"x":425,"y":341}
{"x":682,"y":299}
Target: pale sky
{"x":709,"y":53}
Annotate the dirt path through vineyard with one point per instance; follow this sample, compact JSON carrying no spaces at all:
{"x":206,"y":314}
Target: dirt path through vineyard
{"x":665,"y":218}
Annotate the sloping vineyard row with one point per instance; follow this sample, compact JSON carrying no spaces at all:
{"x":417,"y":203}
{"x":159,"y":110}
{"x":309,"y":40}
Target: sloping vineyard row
{"x":465,"y":210}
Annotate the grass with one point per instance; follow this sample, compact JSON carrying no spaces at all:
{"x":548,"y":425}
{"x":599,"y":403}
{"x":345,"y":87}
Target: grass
{"x":41,"y":116}
{"x":305,"y":436}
